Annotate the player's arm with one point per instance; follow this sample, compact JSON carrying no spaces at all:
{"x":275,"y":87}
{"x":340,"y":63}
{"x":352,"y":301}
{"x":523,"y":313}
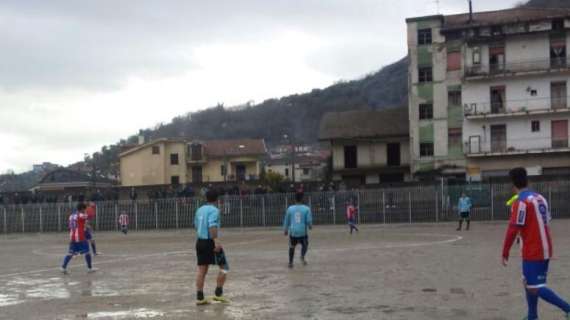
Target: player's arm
{"x":516,"y":222}
{"x":213,"y":226}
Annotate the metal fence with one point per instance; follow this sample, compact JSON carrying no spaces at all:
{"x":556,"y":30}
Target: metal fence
{"x":435,"y":203}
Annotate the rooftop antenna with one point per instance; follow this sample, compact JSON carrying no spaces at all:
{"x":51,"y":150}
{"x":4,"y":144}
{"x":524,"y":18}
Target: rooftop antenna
{"x":470,"y":11}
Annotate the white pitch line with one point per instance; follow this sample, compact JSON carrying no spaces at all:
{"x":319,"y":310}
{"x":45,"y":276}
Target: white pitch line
{"x":408,"y":245}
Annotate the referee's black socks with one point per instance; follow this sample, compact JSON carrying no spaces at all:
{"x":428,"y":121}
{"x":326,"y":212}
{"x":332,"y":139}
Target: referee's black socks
{"x":219,"y":291}
{"x":200,"y":295}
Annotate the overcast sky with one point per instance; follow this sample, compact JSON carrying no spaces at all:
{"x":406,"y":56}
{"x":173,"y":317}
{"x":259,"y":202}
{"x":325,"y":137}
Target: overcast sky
{"x":77,"y":75}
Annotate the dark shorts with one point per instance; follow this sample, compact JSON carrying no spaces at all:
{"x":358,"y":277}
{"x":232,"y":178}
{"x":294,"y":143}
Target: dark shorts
{"x":80,"y":247}
{"x":205,"y":252}
{"x":293,"y":241}
{"x":465,"y":215}
{"x":88,"y":234}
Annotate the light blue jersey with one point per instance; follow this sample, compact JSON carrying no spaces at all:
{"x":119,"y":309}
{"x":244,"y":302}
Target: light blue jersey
{"x":207,"y":216}
{"x":298,"y":219}
{"x":464,"y":204}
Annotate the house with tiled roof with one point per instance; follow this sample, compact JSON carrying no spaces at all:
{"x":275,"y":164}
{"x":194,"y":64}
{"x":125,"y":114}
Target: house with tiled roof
{"x":180,"y":161}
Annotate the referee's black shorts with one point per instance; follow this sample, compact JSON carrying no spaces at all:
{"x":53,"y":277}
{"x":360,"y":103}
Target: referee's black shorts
{"x":205,"y":252}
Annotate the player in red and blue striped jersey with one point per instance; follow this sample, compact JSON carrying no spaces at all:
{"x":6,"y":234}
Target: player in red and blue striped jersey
{"x":530,"y":219}
{"x":78,"y":243}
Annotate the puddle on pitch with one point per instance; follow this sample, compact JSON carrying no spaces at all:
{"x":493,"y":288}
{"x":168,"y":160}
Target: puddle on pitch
{"x":127,"y":314}
{"x":9,"y":300}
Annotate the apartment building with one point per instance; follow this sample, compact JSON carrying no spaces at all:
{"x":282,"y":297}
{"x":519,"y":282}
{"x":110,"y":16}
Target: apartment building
{"x":506,"y":77}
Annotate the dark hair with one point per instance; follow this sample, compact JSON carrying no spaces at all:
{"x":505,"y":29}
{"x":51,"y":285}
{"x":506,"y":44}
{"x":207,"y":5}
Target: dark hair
{"x":519,"y":177}
{"x":211,"y":195}
{"x":299,"y":196}
{"x":81,"y":206}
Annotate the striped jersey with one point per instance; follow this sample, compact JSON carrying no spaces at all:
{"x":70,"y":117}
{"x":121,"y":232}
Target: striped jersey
{"x":350,"y":212}
{"x":77,"y":226}
{"x":124,"y":219}
{"x":530,"y":218}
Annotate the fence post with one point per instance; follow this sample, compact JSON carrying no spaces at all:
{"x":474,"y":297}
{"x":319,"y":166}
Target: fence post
{"x":263,"y":211}
{"x":436,"y":207}
{"x":41,"y":220}
{"x":97,"y":216}
{"x":492,"y":202}
{"x":136,"y":216}
{"x":177,"y":214}
{"x":384,"y":206}
{"x":116,"y":217}
{"x":23,"y":220}
{"x":5,"y":220}
{"x":58,"y":218}
{"x":156,"y":215}
{"x":410,"y":205}
{"x":333,"y":207}
{"x":358,"y":207}
{"x":241,"y":212}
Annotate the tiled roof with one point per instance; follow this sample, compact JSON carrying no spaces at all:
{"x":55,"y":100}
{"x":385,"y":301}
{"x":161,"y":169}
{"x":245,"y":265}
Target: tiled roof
{"x":365,"y":124}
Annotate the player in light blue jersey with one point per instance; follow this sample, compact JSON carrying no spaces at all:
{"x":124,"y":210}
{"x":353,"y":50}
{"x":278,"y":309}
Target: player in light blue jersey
{"x":298,"y":220}
{"x":209,"y":249}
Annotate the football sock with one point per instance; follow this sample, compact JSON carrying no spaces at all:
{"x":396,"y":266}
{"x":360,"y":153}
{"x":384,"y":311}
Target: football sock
{"x":94,"y":248}
{"x":66,"y":261}
{"x":532,"y":302}
{"x":304,"y":249}
{"x":200,"y":295}
{"x":552,"y":298}
{"x":291,"y":255}
{"x":88,"y":260}
{"x":219,"y":291}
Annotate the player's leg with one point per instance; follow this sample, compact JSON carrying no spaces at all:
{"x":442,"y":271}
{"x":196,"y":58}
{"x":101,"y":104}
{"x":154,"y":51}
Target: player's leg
{"x":460,"y":221}
{"x":468,"y":219}
{"x":200,"y":279}
{"x":68,"y":257}
{"x":292,"y":244}
{"x":83,"y":248}
{"x":222,"y":262}
{"x":304,"y":249}
{"x":547,"y":294}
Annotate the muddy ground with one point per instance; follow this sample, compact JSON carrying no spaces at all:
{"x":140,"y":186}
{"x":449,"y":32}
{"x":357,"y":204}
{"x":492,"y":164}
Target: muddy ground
{"x":384,"y":272}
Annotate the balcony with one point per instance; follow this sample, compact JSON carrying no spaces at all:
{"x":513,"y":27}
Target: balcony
{"x":516,"y":108}
{"x":475,"y":147}
{"x":476,"y":72}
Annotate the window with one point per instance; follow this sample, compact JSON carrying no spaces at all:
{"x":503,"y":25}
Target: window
{"x":454,"y":98}
{"x":426,"y":111}
{"x":224,"y":172}
{"x":453,"y":61}
{"x":286,"y":172}
{"x":175,"y":180}
{"x":155,"y":149}
{"x":350,"y":157}
{"x":454,"y":138}
{"x":498,"y":95}
{"x":535,"y":126}
{"x":558,"y":95}
{"x":393,"y":154}
{"x":497,"y":58}
{"x":557,"y":52}
{"x":476,"y":55}
{"x":306,"y":171}
{"x":196,"y":152}
{"x":426,"y":149}
{"x":174,"y":159}
{"x":424,"y":36}
{"x":558,"y":24}
{"x":496,"y":30}
{"x":425,"y":74}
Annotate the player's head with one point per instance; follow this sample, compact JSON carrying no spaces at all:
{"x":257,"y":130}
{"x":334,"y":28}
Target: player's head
{"x":81,"y":207}
{"x":299,"y":197}
{"x":212,"y":196}
{"x":463,"y":194}
{"x":519,"y":177}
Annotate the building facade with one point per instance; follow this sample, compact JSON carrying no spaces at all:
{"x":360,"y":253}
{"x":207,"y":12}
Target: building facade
{"x":368,"y":147}
{"x":509,"y":72}
{"x":180,"y":161}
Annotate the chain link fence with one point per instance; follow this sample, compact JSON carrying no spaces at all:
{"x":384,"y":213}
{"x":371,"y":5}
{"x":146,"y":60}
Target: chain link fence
{"x":434,"y":203}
